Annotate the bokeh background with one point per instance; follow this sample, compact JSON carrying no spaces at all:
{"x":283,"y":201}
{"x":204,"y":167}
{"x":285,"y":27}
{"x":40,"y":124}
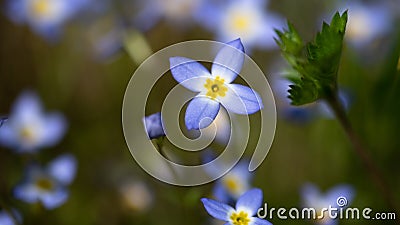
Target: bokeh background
{"x":79,"y":60}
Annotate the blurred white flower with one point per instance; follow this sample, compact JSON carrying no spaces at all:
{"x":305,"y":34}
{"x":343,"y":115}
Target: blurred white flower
{"x":137,"y":196}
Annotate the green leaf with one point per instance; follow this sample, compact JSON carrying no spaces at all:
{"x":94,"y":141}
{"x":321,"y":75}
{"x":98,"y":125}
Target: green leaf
{"x":316,"y":63}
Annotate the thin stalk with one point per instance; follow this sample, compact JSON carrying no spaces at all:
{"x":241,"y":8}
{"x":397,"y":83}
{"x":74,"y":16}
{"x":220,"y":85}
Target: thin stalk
{"x":375,"y":173}
{"x":159,"y":143}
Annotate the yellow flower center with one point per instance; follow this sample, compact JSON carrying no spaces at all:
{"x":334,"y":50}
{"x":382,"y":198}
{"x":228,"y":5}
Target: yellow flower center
{"x":28,"y":134}
{"x":233,"y":185}
{"x":44,"y":184}
{"x":241,"y":218}
{"x":215,"y":87}
{"x":240,"y":22}
{"x":41,"y":7}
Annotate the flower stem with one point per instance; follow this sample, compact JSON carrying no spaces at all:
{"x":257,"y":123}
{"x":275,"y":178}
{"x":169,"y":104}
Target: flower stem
{"x":375,"y":173}
{"x":160,"y":144}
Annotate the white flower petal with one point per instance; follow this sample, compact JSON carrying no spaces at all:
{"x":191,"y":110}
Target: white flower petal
{"x":189,"y":73}
{"x":241,"y":100}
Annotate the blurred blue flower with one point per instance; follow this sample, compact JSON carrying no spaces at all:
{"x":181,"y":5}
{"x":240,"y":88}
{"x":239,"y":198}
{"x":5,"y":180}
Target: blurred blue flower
{"x":45,"y":17}
{"x":28,"y":128}
{"x":215,"y":87}
{"x":246,"y":207}
{"x":248,"y":20}
{"x":313,"y":198}
{"x":294,"y":114}
{"x":7,"y":219}
{"x":48,"y":185}
{"x":153,"y":125}
{"x":367,"y":21}
{"x":233,"y":184}
{"x":179,"y":13}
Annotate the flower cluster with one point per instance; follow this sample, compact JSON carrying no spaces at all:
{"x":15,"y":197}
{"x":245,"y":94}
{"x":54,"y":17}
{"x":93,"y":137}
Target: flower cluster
{"x":27,"y":131}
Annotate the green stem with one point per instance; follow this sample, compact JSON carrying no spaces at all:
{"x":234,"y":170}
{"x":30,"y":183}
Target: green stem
{"x":376,"y":175}
{"x":159,"y":143}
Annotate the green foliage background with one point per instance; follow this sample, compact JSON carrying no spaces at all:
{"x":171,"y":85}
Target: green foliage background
{"x":90,"y":95}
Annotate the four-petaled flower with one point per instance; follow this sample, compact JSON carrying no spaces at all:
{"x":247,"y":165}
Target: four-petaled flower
{"x":215,"y":87}
{"x":48,"y":185}
{"x":28,"y":128}
{"x":246,"y":207}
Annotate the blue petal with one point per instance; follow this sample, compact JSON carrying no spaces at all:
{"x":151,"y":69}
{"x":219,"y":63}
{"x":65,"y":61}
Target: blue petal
{"x":54,"y":126}
{"x":6,"y":219}
{"x":8,"y":136}
{"x":54,"y":199}
{"x":250,"y":201}
{"x":311,"y":195}
{"x":241,"y":99}
{"x":229,"y":61}
{"x":189,"y":73}
{"x":220,"y":193}
{"x":258,"y":221}
{"x":200,"y":112}
{"x":26,"y":192}
{"x":216,"y":209}
{"x":153,"y":125}
{"x":63,"y":168}
{"x":345,"y":191}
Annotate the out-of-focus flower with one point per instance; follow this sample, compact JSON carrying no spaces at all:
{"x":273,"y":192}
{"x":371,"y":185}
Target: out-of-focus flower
{"x":7,"y":219}
{"x":154,"y":126}
{"x":295,"y":114}
{"x":46,"y":17}
{"x":367,"y":22}
{"x":137,"y":196}
{"x":246,"y":207}
{"x":233,"y":184}
{"x":248,"y":20}
{"x":106,"y":37}
{"x":48,"y":185}
{"x":176,"y":12}
{"x":215,"y":88}
{"x":28,"y":128}
{"x":220,"y":129}
{"x":338,"y":197}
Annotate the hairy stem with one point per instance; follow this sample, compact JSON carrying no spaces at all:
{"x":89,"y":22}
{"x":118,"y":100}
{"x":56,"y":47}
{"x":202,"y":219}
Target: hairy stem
{"x":375,"y":173}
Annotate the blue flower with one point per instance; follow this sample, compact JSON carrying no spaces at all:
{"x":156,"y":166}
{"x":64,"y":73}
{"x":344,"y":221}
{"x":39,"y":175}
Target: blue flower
{"x":48,"y":185}
{"x":313,"y":198}
{"x":245,"y":19}
{"x":7,"y":219}
{"x":153,"y":125}
{"x":246,"y":207}
{"x":28,"y":128}
{"x":45,"y":17}
{"x":215,"y":87}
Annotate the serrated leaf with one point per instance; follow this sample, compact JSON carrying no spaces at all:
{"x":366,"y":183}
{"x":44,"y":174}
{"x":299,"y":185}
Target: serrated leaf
{"x":317,"y":62}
